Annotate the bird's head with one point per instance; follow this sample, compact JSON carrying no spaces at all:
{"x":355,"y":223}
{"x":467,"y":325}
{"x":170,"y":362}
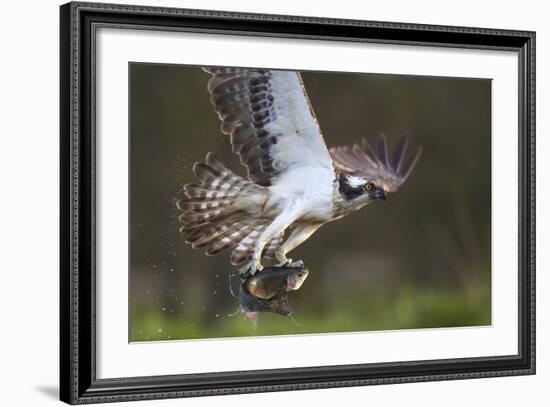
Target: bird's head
{"x":358,"y":191}
{"x":366,"y":174}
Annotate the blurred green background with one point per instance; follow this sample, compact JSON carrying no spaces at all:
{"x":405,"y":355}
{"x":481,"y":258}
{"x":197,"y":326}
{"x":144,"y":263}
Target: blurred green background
{"x":420,"y":259}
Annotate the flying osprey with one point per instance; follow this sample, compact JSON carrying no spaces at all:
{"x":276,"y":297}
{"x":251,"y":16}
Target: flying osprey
{"x":294,"y":182}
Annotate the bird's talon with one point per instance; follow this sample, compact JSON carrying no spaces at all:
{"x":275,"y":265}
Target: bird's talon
{"x":297,"y":263}
{"x":255,"y":266}
{"x":284,"y":263}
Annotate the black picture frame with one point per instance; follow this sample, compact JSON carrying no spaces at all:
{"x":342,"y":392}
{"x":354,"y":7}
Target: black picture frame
{"x":78,"y":382}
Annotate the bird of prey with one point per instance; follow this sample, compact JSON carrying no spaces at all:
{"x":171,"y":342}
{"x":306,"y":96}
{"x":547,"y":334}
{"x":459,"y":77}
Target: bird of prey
{"x":295,"y":184}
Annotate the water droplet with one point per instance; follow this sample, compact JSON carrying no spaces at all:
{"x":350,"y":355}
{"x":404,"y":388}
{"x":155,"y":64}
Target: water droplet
{"x":160,"y":330}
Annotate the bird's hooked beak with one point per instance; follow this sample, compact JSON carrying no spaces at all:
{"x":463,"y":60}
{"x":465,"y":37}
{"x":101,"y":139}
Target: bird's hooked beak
{"x":379,"y":193}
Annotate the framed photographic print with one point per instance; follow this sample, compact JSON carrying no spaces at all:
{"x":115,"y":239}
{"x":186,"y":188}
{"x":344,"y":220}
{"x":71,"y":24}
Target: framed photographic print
{"x":258,"y":203}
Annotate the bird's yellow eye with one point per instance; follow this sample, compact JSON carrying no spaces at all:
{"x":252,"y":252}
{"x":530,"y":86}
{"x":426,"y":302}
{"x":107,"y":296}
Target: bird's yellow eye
{"x":369,"y":186}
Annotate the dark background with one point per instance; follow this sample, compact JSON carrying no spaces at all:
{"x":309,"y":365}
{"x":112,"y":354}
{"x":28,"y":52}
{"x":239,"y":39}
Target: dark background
{"x":420,"y":259}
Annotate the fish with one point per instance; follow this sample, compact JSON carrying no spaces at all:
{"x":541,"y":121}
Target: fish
{"x":267,"y":290}
{"x":271,"y":281}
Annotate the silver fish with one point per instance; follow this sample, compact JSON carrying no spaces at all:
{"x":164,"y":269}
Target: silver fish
{"x":266,"y":291}
{"x":271,"y":281}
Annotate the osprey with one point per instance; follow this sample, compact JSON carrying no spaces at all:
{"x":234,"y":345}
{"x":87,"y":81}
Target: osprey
{"x":294,"y":182}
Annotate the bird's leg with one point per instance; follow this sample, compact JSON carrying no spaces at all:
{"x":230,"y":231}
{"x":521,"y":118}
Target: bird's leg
{"x":280,"y":256}
{"x":299,"y":235}
{"x":279,"y":224}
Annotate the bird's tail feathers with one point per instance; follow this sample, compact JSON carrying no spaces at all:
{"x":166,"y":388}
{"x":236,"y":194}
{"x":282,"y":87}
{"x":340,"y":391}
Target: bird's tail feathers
{"x":216,"y":213}
{"x":216,"y":197}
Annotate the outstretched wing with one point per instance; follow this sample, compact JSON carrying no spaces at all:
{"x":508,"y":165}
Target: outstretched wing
{"x":366,"y":161}
{"x":269,"y":119}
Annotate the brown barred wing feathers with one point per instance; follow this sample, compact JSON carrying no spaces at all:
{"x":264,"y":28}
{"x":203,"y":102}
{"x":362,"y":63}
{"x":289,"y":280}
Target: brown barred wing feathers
{"x":375,"y":162}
